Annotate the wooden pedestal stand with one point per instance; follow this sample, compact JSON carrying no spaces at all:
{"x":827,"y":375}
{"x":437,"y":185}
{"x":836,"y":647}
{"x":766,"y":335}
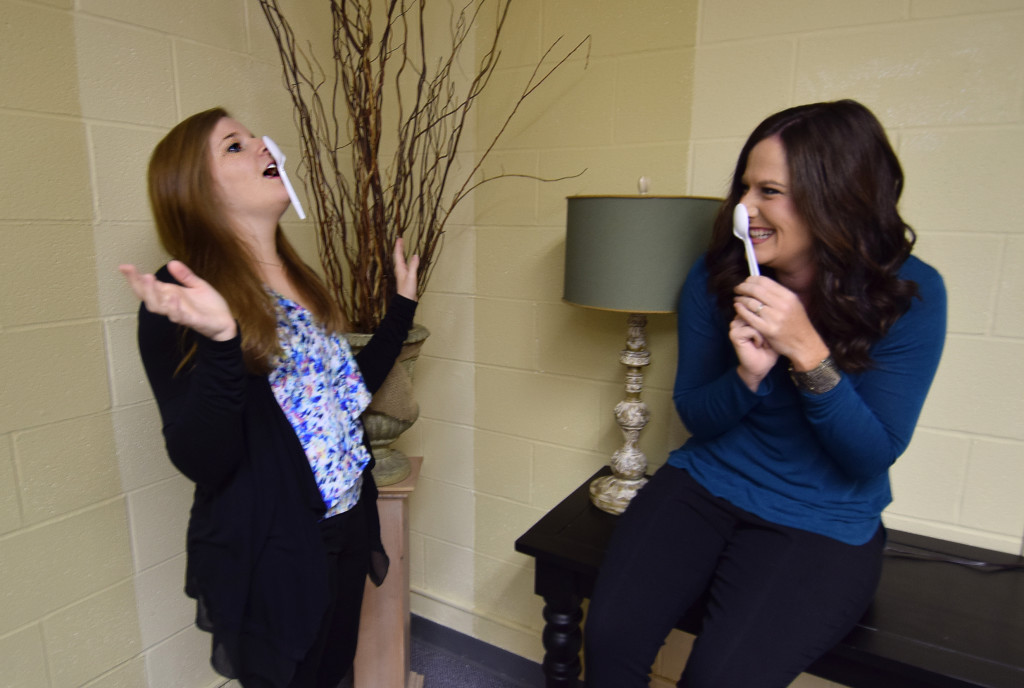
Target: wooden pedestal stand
{"x":382,"y":658}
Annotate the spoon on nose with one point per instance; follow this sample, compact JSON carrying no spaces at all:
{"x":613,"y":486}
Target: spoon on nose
{"x":278,"y":157}
{"x":741,"y":228}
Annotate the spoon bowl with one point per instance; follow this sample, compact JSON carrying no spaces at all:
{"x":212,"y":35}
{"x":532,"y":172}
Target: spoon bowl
{"x":741,"y":228}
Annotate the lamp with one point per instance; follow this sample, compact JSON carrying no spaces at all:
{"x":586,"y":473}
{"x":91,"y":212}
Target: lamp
{"x":631,"y":254}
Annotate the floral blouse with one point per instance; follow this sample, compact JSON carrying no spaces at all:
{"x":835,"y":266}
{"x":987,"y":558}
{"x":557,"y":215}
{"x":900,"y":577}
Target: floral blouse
{"x":319,"y":388}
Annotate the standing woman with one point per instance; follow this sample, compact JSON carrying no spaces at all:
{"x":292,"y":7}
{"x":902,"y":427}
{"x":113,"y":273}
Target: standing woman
{"x":799,"y":388}
{"x":260,"y":399}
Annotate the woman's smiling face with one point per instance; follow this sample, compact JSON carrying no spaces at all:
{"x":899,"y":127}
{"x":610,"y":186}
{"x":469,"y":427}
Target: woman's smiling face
{"x":782,"y":240}
{"x":247,"y":182}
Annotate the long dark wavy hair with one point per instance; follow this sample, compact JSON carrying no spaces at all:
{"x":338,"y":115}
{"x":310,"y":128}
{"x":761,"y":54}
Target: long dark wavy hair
{"x":845,"y":182}
{"x":193,"y":228}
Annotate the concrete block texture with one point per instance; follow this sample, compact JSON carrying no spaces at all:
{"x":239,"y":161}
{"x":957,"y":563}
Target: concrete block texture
{"x":125,"y":73}
{"x":84,"y":640}
{"x":971,"y":275}
{"x":59,"y":563}
{"x":125,"y":675}
{"x":733,"y":20}
{"x":66,"y":466}
{"x":1009,"y":317}
{"x":977,"y":151}
{"x":121,"y":154}
{"x":51,"y":374}
{"x":976,"y":370}
{"x":221,"y":23}
{"x":992,"y":493}
{"x":621,"y":28}
{"x":250,"y":90}
{"x":942,"y":8}
{"x":159,"y":516}
{"x":26,"y":298}
{"x":24,"y":657}
{"x":38,"y":59}
{"x":10,"y":504}
{"x":928,"y":481}
{"x":163,"y":607}
{"x":44,"y":187}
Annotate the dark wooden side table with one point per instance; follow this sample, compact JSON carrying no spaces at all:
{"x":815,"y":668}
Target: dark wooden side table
{"x":933,"y":623}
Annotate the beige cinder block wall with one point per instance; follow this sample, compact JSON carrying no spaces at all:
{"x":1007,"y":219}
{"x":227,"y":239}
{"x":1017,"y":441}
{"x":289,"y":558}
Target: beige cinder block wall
{"x":92,"y":514}
{"x":671,"y":91}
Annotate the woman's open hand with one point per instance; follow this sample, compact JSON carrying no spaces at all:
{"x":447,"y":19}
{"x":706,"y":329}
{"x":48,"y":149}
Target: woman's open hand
{"x":193,"y":303}
{"x":406,"y":281}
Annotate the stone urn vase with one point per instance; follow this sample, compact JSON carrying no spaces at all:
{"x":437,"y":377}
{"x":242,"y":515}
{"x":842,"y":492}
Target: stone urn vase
{"x":393,"y":409}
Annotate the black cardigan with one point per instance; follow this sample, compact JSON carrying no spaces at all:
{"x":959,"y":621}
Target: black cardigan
{"x":256,"y":563}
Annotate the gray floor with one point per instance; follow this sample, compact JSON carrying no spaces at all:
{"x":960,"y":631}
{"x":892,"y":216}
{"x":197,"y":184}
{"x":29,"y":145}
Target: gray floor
{"x":442,"y":668}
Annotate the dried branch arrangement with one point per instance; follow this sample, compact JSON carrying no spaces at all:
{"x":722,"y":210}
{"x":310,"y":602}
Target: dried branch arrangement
{"x":361,"y":201}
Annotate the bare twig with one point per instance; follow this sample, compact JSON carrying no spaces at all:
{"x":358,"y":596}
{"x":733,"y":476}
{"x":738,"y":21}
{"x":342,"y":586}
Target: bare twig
{"x":363,"y":202}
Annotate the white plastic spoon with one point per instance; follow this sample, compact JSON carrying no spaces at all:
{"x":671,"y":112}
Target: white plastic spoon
{"x":741,"y":228}
{"x":278,"y":157}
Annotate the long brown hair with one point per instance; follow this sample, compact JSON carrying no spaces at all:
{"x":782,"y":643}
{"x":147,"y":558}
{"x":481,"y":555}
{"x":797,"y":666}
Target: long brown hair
{"x":193,"y":228}
{"x":845,"y":182}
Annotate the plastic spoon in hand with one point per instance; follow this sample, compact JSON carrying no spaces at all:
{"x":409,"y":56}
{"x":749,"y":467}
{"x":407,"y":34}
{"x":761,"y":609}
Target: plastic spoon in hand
{"x":741,"y":228}
{"x":278,"y":157}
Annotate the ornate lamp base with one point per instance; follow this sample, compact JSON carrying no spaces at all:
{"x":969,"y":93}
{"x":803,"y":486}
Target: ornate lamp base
{"x":612,"y":493}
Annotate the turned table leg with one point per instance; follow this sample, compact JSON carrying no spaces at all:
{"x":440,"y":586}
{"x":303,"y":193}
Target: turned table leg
{"x":562,"y":641}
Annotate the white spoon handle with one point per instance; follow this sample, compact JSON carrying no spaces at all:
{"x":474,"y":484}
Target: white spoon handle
{"x":279,"y":159}
{"x":751,"y":257}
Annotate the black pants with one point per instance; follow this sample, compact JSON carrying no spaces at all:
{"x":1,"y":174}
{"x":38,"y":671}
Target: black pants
{"x":776,"y":598}
{"x":329,"y":660}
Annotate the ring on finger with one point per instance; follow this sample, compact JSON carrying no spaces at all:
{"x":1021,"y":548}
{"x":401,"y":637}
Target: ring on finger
{"x":759,"y":309}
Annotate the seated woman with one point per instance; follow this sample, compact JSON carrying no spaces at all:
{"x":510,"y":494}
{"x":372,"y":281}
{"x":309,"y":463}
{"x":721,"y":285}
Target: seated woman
{"x":260,"y":399}
{"x":800,"y":388}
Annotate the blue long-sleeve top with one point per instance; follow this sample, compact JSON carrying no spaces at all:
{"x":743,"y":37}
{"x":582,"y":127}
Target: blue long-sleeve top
{"x":818,"y":462}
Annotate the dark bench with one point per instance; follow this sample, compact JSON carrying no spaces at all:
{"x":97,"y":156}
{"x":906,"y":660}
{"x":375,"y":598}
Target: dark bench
{"x":933,"y":622}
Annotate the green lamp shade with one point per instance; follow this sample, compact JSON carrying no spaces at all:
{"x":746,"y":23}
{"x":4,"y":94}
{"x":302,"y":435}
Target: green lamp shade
{"x":632,"y":253}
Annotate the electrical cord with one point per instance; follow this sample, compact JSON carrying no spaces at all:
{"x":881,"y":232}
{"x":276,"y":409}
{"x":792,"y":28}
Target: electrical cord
{"x":908,"y":552}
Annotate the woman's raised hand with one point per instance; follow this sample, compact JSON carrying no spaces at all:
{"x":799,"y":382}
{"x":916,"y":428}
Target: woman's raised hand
{"x":406,"y":272}
{"x":778,"y":315}
{"x":193,"y":303}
